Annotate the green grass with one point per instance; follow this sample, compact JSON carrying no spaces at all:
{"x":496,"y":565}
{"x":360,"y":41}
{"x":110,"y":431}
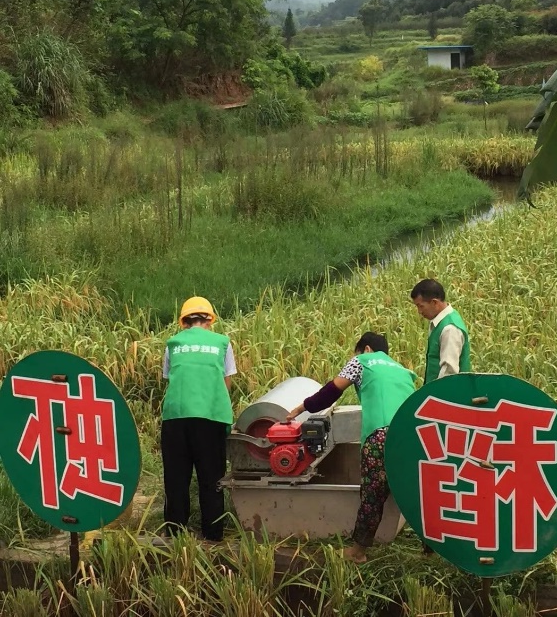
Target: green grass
{"x":229,"y":259}
{"x":523,"y":106}
{"x":17,"y":521}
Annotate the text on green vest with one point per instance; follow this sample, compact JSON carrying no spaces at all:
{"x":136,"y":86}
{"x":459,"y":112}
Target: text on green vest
{"x":196,"y":387}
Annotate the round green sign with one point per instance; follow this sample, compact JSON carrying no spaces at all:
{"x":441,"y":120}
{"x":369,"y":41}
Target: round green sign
{"x":470,"y":460}
{"x":68,"y":443}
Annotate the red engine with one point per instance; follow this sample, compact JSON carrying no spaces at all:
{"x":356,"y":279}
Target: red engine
{"x":297,"y":445}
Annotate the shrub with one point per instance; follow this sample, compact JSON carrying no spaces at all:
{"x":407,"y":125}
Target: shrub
{"x":280,"y":196}
{"x":176,"y":117}
{"x":434,"y":73}
{"x":188,"y":116}
{"x":262,"y":74}
{"x":532,"y":48}
{"x":121,"y":126}
{"x":353,"y":118}
{"x":51,"y":73}
{"x":421,"y":107}
{"x":505,"y":93}
{"x":548,"y":22}
{"x":306,"y":74}
{"x":279,"y":109}
{"x":368,"y":69}
{"x":350,"y":46}
{"x":211,"y":120}
{"x":341,"y":87}
{"x":101,"y":100}
{"x":281,"y":68}
{"x":471,"y":95}
{"x":9,"y":114}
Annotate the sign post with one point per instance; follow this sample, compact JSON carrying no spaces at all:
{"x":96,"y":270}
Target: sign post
{"x":470,"y":460}
{"x":68,"y":443}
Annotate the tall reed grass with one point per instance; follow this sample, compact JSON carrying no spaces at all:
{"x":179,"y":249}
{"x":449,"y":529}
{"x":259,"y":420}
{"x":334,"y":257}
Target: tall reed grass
{"x":148,"y":213}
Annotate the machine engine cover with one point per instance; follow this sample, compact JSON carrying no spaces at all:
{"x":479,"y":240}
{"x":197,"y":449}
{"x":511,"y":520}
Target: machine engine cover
{"x":284,"y":432}
{"x":290,"y":459}
{"x":315,"y":434}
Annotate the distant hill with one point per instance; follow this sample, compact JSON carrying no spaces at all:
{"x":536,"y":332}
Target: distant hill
{"x":335,"y":11}
{"x":302,"y":10}
{"x":338,"y":10}
{"x":304,"y":5}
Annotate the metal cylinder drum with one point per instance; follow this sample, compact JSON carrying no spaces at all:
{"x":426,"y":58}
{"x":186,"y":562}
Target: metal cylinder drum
{"x":257,"y":418}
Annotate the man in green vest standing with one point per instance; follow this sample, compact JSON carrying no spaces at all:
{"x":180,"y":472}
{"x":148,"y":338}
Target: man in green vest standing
{"x":382,"y":386}
{"x":448,"y":347}
{"x":196,"y":415}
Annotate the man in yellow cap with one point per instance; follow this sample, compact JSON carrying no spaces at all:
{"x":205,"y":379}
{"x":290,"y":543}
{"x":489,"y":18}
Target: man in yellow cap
{"x":197,"y":413}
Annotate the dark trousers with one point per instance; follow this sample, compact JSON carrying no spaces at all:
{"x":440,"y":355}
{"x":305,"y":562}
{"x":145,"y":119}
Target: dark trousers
{"x":187,"y":443}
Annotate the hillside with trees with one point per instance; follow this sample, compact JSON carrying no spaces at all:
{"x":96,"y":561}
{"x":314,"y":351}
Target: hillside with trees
{"x":58,"y":55}
{"x":62,"y":59}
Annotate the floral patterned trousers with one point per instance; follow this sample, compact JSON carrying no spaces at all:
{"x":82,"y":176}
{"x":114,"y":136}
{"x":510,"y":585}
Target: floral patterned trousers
{"x":374,"y":489}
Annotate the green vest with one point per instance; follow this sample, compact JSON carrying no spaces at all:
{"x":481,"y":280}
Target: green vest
{"x":433,"y":360}
{"x":196,"y":387}
{"x":386,"y":384}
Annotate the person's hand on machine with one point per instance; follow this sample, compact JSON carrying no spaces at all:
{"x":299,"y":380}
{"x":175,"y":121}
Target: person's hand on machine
{"x":295,"y":413}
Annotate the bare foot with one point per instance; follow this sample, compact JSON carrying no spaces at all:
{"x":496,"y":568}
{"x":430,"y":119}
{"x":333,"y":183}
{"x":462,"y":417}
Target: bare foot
{"x":356,"y":554}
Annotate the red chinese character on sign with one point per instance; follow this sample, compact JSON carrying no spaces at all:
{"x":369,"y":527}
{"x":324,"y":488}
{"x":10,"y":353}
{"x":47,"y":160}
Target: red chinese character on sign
{"x":91,"y":446}
{"x":38,"y":435}
{"x":471,"y":438}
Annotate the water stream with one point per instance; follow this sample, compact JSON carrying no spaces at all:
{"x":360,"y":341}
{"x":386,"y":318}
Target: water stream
{"x":408,"y":247}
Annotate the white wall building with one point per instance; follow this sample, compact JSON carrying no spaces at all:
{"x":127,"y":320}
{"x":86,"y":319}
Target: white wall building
{"x":448,"y":56}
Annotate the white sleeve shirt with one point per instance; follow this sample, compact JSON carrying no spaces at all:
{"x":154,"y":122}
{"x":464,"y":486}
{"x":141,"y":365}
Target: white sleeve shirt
{"x":451,"y":342}
{"x":229,"y":363}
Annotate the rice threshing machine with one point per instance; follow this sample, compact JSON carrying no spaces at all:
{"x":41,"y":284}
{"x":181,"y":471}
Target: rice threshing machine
{"x":300,"y":478}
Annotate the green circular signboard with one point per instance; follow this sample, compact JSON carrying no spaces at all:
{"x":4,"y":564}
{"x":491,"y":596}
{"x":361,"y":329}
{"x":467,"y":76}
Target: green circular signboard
{"x":471,"y":462}
{"x":68,"y":443}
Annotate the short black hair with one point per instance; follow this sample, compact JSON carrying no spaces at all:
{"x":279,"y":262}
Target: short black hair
{"x":377,"y":342}
{"x":429,"y":289}
{"x":191,"y":320}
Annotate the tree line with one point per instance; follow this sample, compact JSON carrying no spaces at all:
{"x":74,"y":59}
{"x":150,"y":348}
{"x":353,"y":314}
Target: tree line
{"x":392,"y":12}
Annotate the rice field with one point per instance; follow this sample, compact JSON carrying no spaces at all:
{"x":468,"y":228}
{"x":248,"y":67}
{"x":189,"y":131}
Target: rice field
{"x":500,"y":275}
{"x":244,"y":578}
